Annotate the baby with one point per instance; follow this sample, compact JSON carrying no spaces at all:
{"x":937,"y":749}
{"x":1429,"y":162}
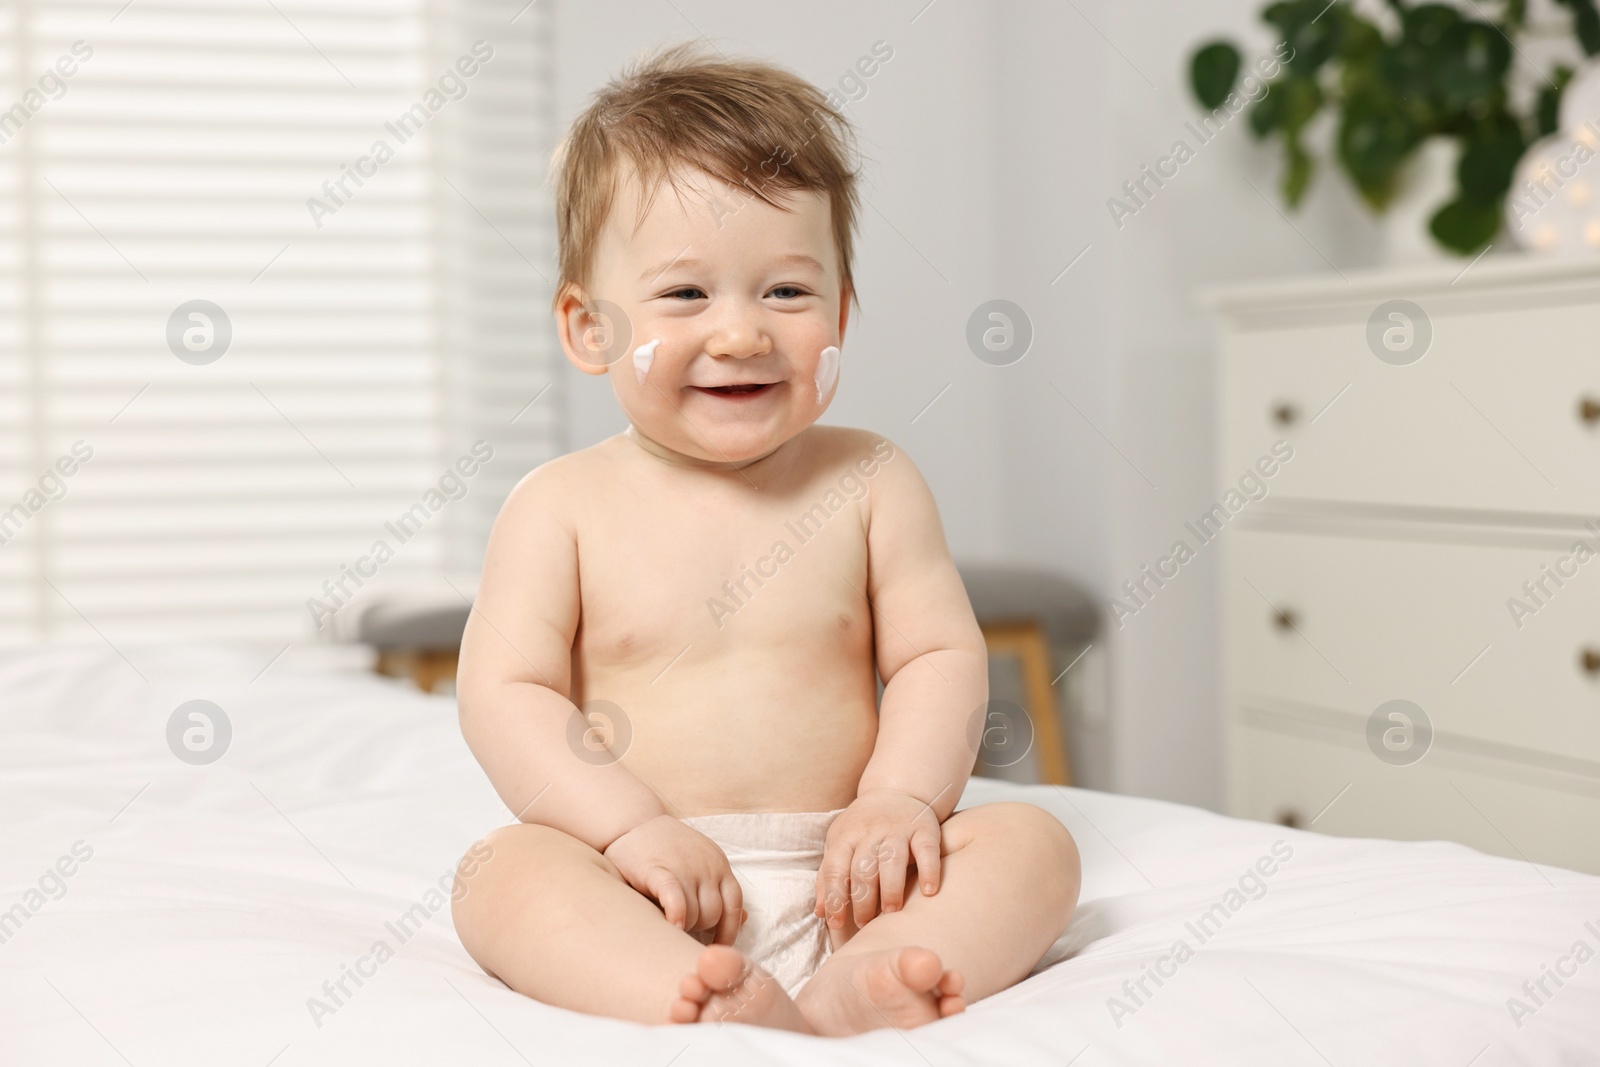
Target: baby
{"x":668,"y":674}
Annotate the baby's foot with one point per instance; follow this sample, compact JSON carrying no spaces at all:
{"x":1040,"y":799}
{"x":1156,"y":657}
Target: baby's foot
{"x":898,"y":987}
{"x":726,"y":987}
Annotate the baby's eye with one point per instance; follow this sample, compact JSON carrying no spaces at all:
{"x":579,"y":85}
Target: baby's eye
{"x":694,"y":294}
{"x":795,"y":290}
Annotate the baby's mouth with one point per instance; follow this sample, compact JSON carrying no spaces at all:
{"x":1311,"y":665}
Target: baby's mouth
{"x":737,"y":391}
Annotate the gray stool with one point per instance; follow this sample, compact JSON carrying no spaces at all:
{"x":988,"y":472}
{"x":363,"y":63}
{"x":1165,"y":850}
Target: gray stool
{"x":417,"y":637}
{"x":1024,"y":612}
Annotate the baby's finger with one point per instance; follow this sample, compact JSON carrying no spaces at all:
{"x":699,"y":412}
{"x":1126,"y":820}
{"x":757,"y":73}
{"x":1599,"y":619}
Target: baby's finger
{"x":710,"y":897}
{"x":833,"y":884}
{"x":925,"y":847}
{"x":691,"y":907}
{"x":892,"y":859}
{"x":864,"y":884}
{"x":669,"y":894}
{"x":732,"y":911}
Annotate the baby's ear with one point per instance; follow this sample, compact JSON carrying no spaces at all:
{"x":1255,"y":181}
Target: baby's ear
{"x":590,"y":337}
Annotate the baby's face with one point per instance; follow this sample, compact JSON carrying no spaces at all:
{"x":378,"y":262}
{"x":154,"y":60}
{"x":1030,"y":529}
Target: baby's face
{"x":732,"y":302}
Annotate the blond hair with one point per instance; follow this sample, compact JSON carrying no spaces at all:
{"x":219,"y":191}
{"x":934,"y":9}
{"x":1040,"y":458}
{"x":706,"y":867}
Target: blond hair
{"x":759,"y":128}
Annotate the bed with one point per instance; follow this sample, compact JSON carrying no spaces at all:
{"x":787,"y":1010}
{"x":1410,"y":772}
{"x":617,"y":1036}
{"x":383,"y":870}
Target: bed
{"x":158,"y":912}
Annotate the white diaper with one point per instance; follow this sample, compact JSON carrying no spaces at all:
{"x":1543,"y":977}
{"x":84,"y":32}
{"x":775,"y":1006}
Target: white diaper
{"x":775,"y":856}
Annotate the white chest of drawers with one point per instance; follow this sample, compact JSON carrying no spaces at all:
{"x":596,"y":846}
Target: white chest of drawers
{"x":1434,"y":539}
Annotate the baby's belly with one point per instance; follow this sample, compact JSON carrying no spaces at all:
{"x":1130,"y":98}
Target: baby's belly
{"x":777,"y":737}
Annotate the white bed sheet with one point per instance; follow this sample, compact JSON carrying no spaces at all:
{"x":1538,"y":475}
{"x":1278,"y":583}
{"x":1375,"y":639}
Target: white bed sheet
{"x":219,"y":899}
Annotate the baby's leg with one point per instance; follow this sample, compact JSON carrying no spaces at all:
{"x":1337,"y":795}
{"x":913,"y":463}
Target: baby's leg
{"x":553,"y":919}
{"x":1008,"y":885}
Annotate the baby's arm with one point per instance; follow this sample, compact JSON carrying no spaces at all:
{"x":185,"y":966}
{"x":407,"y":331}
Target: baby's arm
{"x":513,"y":689}
{"x":935,"y":668}
{"x":516,"y":673}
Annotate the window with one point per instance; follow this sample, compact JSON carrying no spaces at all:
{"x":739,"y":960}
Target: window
{"x":274,"y":280}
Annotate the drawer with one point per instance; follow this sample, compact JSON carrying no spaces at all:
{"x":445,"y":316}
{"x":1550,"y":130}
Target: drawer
{"x":1428,"y":622}
{"x":1499,"y":809}
{"x":1502,"y":413}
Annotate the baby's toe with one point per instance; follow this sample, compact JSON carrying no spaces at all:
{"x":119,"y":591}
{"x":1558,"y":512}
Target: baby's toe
{"x":720,"y":968}
{"x":919,"y":969}
{"x":684,"y":1010}
{"x":693,"y":995}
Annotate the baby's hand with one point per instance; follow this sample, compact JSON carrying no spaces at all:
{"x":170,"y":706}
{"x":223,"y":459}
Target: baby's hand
{"x":684,"y":872}
{"x":870,"y":844}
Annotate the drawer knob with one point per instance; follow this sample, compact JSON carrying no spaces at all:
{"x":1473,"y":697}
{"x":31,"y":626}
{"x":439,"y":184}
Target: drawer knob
{"x":1285,"y":619}
{"x":1589,"y":660}
{"x":1285,"y":414}
{"x":1589,"y":410}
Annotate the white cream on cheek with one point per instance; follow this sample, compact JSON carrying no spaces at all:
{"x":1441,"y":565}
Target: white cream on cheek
{"x":643,"y":356}
{"x":827,"y":371}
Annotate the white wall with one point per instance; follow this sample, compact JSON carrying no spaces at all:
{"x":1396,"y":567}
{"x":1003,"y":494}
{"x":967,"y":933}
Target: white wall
{"x":994,"y":138}
{"x":1205,"y":226}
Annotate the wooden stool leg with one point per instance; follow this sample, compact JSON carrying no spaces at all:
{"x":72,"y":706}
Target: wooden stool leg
{"x":425,"y":667}
{"x":1034,"y":653}
{"x":391,"y":663}
{"x":434,"y":666}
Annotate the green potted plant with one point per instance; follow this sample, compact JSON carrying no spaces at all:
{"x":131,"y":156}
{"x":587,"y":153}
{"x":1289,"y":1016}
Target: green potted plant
{"x":1440,"y":71}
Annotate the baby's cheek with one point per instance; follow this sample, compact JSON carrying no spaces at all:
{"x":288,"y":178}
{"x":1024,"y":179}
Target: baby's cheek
{"x":808,"y":347}
{"x":660,"y":351}
{"x":811,"y":361}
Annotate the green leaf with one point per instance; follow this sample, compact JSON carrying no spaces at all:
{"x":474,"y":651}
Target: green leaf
{"x":1314,"y":39}
{"x":1302,"y":99}
{"x":1288,"y":105}
{"x":1268,"y":112}
{"x":1426,"y":24}
{"x":1298,"y":166}
{"x":1585,"y":23}
{"x":1362,"y":51}
{"x":1470,"y":63}
{"x":1465,"y":226}
{"x":1376,"y":135}
{"x":1548,"y":112}
{"x":1360,"y":40}
{"x":1406,"y":69}
{"x":1489,"y":161}
{"x":1213,"y":72}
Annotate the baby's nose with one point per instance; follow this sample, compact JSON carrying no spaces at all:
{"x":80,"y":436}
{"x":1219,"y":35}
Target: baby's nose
{"x":725,"y":347}
{"x":740,"y":335}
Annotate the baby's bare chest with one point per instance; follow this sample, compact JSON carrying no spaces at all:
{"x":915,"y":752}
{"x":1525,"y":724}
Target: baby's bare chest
{"x":780,"y":575}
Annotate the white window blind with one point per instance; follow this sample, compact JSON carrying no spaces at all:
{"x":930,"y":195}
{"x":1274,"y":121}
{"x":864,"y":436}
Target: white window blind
{"x":387,"y":305}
